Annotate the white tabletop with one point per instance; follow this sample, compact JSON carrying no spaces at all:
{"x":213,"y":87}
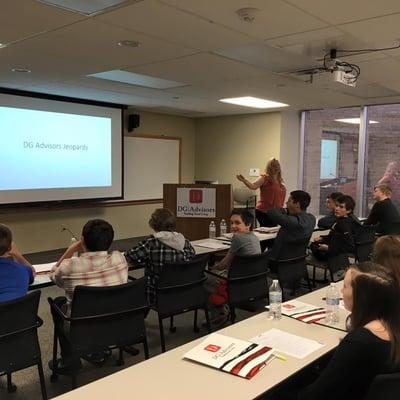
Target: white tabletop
{"x":316,"y":298}
{"x":168,"y":376}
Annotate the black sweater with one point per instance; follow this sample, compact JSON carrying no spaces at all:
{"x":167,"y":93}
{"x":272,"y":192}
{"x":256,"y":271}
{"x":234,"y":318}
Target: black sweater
{"x":341,"y":238}
{"x":383,"y":214}
{"x":358,"y":359}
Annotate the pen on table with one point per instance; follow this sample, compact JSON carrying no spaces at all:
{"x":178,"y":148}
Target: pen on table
{"x":324,"y":298}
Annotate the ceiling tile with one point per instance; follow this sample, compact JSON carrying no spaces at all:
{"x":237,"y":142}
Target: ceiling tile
{"x":203,"y":67}
{"x":341,"y":11}
{"x":168,"y":23}
{"x":274,"y":18}
{"x":22,"y":18}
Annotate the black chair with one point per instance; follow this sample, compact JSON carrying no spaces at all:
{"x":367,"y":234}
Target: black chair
{"x":19,"y":345}
{"x":180,"y":289}
{"x":364,"y":241}
{"x":102,"y":318}
{"x":394,"y":229}
{"x":385,"y":386}
{"x":336,"y":265}
{"x":247,"y":284}
{"x":290,"y":267}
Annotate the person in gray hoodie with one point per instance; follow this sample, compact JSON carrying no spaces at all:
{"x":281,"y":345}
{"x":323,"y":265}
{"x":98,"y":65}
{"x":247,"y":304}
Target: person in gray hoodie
{"x":163,"y":247}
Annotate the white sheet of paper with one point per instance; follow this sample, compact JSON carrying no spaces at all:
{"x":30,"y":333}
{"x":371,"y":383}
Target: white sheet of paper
{"x":212,"y":244}
{"x":284,"y":342}
{"x":42,"y":268}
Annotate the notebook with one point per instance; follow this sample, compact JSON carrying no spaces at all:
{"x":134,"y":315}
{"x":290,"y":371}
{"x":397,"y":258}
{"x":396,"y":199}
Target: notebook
{"x":303,"y":311}
{"x":234,"y":356}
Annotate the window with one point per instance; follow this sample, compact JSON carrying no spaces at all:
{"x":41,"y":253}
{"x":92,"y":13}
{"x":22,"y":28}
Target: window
{"x":330,"y":154}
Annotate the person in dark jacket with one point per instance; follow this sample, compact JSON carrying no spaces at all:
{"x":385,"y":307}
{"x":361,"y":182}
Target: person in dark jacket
{"x":328,"y":220}
{"x":384,"y":213}
{"x":341,"y":237}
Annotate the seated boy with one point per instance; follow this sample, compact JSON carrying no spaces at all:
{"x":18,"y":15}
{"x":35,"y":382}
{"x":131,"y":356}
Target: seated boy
{"x":384,"y":214}
{"x":328,"y":220}
{"x":16,"y":273}
{"x":244,"y":243}
{"x":163,"y":247}
{"x":341,"y":237}
{"x":94,"y":267}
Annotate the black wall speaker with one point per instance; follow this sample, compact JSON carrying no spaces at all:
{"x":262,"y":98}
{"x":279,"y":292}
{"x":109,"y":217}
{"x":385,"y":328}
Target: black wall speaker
{"x":133,"y":122}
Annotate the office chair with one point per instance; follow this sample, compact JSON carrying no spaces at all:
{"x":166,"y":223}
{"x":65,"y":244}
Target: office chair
{"x":180,"y":289}
{"x":102,"y":318}
{"x":247,"y":285}
{"x":19,"y":345}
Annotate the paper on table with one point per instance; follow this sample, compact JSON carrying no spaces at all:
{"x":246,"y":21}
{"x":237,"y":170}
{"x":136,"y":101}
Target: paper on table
{"x":43,"y":268}
{"x":295,"y":307}
{"x":283,"y":342}
{"x":210,"y":244}
{"x":267,"y":229}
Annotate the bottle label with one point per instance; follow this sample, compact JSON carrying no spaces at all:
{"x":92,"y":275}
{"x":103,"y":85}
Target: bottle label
{"x":332,"y":301}
{"x":275,"y":297}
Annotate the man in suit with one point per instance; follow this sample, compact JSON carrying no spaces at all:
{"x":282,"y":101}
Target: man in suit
{"x":296,"y":224}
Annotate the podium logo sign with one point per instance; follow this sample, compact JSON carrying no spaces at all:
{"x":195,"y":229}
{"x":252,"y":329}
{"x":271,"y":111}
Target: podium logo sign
{"x":195,"y":196}
{"x":196,"y":202}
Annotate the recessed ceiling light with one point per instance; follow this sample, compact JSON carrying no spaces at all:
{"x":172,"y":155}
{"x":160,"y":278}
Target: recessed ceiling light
{"x":254,"y":102}
{"x":355,"y":121}
{"x":129,"y":43}
{"x":2,"y":45}
{"x":23,"y":70}
{"x":131,"y":78}
{"x":85,"y":7}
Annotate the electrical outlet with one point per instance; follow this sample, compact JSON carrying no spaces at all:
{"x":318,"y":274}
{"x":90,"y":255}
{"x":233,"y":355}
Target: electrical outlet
{"x":254,"y":172}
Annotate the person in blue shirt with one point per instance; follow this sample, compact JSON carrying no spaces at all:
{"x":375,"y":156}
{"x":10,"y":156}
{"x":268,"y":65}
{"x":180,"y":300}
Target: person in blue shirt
{"x":16,"y":273}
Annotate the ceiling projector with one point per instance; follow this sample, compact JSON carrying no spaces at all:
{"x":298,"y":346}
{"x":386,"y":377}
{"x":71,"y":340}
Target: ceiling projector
{"x":346,"y":78}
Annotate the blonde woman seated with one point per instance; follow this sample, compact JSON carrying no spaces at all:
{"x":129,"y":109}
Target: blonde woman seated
{"x":387,"y":253}
{"x":372,"y":347}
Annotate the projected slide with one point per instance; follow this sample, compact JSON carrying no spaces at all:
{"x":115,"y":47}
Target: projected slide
{"x":48,"y":150}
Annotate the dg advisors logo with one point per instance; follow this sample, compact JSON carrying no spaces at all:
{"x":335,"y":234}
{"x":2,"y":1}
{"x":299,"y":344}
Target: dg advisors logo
{"x":195,"y":196}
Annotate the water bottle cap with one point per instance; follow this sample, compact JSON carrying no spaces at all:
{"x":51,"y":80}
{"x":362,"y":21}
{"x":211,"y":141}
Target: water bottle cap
{"x":275,"y":281}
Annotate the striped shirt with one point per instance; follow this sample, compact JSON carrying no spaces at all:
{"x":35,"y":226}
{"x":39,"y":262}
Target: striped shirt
{"x":96,"y":268}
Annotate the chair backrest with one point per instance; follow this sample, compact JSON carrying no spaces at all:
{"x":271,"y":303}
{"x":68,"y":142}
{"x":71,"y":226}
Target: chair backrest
{"x":385,"y":386}
{"x":180,"y":286}
{"x":291,"y":263}
{"x":364,"y":241}
{"x":247,"y":278}
{"x":107,"y":316}
{"x":19,"y":346}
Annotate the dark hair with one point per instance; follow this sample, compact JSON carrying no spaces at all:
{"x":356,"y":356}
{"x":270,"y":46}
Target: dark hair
{"x":246,"y":216}
{"x":5,"y":239}
{"x":301,"y":197}
{"x":98,"y":235}
{"x":348,"y":202}
{"x":334,"y":195}
{"x":386,"y":252}
{"x":162,"y":219}
{"x":376,"y":296}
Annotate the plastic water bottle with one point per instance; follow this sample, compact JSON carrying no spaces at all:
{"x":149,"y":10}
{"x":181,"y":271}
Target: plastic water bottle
{"x":275,"y":300}
{"x":222,"y":227}
{"x":212,"y":230}
{"x":75,"y":254}
{"x":332,"y":305}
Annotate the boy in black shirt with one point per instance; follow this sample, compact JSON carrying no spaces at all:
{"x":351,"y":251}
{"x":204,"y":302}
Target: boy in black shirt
{"x":384,"y":213}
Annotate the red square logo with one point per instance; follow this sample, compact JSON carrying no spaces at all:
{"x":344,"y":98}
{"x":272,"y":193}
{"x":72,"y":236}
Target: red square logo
{"x":212,"y":347}
{"x":195,"y":196}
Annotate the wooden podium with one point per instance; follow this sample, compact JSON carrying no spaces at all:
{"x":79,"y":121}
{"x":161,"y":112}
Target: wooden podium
{"x":195,"y":227}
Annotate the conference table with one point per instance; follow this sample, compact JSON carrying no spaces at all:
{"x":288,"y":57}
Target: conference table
{"x":169,"y":376}
{"x":200,"y":246}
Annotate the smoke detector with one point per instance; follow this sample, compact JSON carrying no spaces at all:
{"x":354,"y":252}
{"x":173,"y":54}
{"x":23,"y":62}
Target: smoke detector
{"x":247,"y":14}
